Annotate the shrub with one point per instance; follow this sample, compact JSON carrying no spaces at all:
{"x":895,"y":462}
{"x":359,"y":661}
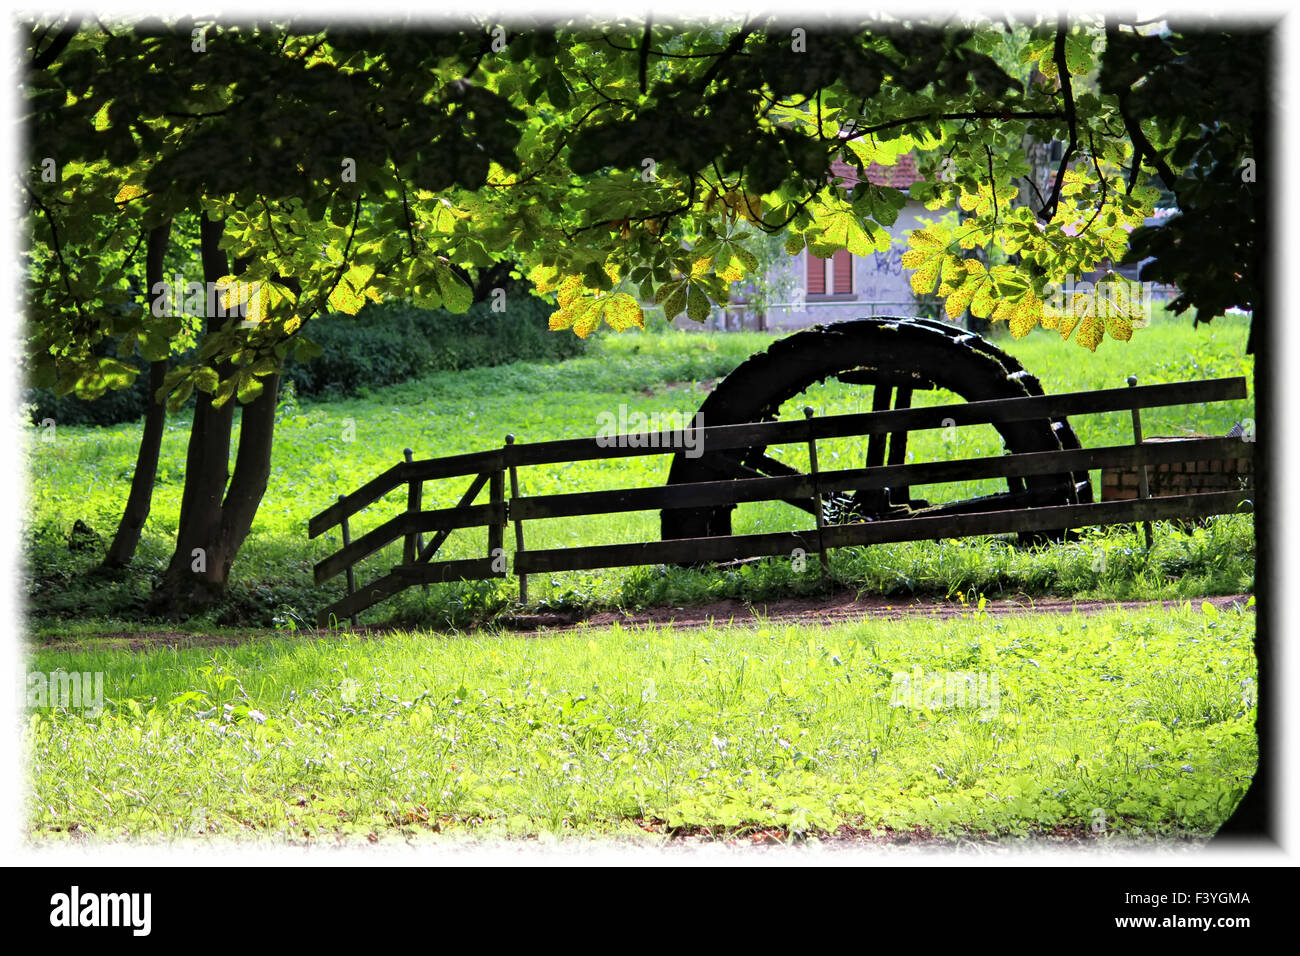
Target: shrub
{"x":383,"y":344}
{"x":394,"y":342}
{"x":111,"y":408}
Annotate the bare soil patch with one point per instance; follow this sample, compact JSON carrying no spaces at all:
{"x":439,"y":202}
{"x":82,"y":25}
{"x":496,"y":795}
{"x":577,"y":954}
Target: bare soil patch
{"x":823,"y":610}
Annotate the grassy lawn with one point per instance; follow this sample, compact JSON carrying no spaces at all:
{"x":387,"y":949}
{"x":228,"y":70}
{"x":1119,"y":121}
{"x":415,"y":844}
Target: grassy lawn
{"x":1112,"y":724}
{"x":1135,"y":723}
{"x":326,"y":449}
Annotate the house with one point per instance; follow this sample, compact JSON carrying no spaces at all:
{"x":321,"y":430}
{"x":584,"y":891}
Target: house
{"x":815,"y":291}
{"x":844,"y":286}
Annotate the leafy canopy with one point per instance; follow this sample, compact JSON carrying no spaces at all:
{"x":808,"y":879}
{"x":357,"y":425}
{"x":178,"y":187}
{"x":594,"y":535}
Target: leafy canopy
{"x":617,"y":165}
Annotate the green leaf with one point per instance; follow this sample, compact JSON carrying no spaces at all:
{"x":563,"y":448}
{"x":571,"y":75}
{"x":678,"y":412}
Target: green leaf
{"x":179,"y":397}
{"x":224,"y":392}
{"x":306,"y":350}
{"x":557,"y":90}
{"x":249,"y":387}
{"x":205,"y":379}
{"x":675,"y":300}
{"x":457,"y":296}
{"x":697,"y":304}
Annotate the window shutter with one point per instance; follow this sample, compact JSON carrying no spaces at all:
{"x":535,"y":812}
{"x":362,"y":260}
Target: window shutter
{"x":843,"y":272}
{"x":816,"y":274}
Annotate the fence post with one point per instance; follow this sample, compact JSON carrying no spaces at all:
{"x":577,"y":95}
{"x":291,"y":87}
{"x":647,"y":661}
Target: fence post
{"x":817,"y":496}
{"x":352,"y":574}
{"x":519,"y":525}
{"x":1144,"y":487}
{"x":414,"y":502}
{"x":496,"y":532}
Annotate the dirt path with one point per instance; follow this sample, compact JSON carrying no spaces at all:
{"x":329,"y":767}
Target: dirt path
{"x":836,"y":609}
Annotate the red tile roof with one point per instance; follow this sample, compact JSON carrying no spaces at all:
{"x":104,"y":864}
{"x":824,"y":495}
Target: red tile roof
{"x":901,"y":175}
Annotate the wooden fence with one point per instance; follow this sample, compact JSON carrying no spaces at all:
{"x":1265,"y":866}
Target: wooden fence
{"x":491,"y":470}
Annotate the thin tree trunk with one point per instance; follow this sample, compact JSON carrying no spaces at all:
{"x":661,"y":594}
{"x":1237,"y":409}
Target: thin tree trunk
{"x":252,"y":470}
{"x":140,"y":500}
{"x":218,"y":507}
{"x":195,"y":576}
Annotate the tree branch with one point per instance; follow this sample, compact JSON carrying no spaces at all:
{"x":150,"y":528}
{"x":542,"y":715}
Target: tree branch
{"x":1096,"y":164}
{"x":670,"y":56}
{"x":645,"y":54}
{"x":1142,"y":148}
{"x":58,"y":249}
{"x":60,"y":42}
{"x":993,"y":190}
{"x":733,"y":47}
{"x":972,"y":114}
{"x":1048,"y":212}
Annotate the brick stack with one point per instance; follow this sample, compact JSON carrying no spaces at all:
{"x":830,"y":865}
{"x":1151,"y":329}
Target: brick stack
{"x":1179,"y":477}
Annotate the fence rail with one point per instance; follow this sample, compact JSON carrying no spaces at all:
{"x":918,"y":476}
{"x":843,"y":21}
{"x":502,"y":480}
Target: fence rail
{"x":1023,"y":513}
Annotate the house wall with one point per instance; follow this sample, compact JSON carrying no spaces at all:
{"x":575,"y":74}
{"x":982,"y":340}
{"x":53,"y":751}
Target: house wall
{"x":880,"y":287}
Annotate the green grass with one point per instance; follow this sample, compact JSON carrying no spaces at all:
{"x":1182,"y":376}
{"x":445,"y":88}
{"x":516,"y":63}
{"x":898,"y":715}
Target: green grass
{"x":1133,"y":724}
{"x":323,"y":450}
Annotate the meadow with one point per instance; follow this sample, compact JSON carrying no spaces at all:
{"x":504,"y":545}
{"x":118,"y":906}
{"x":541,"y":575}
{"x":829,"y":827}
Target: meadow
{"x":1114,"y":725}
{"x":324,"y":449}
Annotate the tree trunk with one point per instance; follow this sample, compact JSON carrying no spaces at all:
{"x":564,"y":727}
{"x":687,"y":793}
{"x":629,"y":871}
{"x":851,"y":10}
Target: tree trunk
{"x":1256,"y":816}
{"x":194,"y":576}
{"x":215,"y":519}
{"x":213,"y":529}
{"x":252,"y":470}
{"x":139,"y":501}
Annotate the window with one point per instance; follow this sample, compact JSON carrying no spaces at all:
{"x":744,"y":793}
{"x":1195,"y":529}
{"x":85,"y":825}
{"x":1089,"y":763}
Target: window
{"x":833,"y":276}
{"x":842,"y":262}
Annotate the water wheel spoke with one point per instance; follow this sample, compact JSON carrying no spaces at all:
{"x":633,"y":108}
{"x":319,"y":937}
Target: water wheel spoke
{"x":999,"y":501}
{"x":898,"y":447}
{"x":723,"y":466}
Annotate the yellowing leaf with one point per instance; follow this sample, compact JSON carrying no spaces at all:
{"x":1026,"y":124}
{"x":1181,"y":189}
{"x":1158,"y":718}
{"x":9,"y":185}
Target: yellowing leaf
{"x":586,"y":316}
{"x":960,"y":298}
{"x":923,"y":279}
{"x":1025,"y":315}
{"x":924,"y":239}
{"x":731,"y":271}
{"x":622,"y":312}
{"x":544,"y":278}
{"x":343,"y":298}
{"x":743,"y":204}
{"x":569,"y":289}
{"x":1091,"y":332}
{"x":846,"y":231}
{"x":981,"y":304}
{"x":913,"y":258}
